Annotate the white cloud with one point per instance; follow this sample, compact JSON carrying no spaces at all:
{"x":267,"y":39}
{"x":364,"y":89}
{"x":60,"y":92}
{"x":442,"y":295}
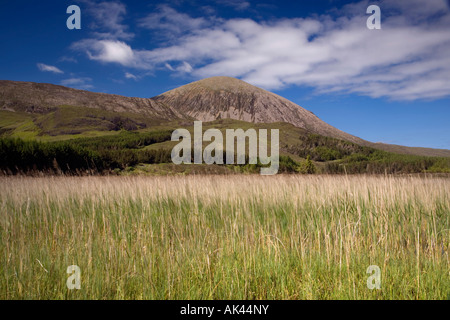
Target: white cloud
{"x":78,"y":83}
{"x":108,"y":20}
{"x":168,"y":66}
{"x":171,"y":21}
{"x":185,"y":67}
{"x":182,"y":68}
{"x":238,"y":5}
{"x":130,"y":76}
{"x":107,"y":51}
{"x":407,"y":59}
{"x":47,"y":68}
{"x":68,"y":59}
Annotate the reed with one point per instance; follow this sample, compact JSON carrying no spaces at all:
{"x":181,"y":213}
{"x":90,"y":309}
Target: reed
{"x":225,"y":237}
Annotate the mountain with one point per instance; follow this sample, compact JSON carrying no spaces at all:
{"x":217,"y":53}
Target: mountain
{"x":206,"y":100}
{"x":224,"y":97}
{"x":37,"y":109}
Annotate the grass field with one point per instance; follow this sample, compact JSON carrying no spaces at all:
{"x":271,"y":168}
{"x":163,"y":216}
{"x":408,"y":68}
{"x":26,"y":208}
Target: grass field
{"x":225,"y":237}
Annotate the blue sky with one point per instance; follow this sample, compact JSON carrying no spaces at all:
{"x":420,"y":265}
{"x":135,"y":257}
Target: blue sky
{"x":390,"y":85}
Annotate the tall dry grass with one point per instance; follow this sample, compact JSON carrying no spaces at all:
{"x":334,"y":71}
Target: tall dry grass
{"x":225,"y":237}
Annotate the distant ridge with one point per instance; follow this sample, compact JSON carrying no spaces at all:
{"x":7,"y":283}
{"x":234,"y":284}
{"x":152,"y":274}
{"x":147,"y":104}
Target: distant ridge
{"x":41,"y":97}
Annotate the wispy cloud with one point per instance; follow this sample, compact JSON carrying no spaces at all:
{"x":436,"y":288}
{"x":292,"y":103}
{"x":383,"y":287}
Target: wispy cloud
{"x":78,"y":83}
{"x":185,"y":67}
{"x":130,"y":76}
{"x":235,"y":4}
{"x":406,"y":60}
{"x":108,"y":19}
{"x":47,"y":68}
{"x":168,"y":66}
{"x":169,"y":20}
{"x":68,"y":59}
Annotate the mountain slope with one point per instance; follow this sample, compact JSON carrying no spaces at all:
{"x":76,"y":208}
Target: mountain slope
{"x":42,"y":98}
{"x":224,"y":97}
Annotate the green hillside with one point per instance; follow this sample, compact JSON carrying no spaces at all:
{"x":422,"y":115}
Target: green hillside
{"x":79,"y":140}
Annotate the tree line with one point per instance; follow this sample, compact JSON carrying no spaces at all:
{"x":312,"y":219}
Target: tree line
{"x":106,"y":154}
{"x":83,"y":155}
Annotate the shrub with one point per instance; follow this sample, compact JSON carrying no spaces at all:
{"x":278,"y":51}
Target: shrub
{"x":307,"y":166}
